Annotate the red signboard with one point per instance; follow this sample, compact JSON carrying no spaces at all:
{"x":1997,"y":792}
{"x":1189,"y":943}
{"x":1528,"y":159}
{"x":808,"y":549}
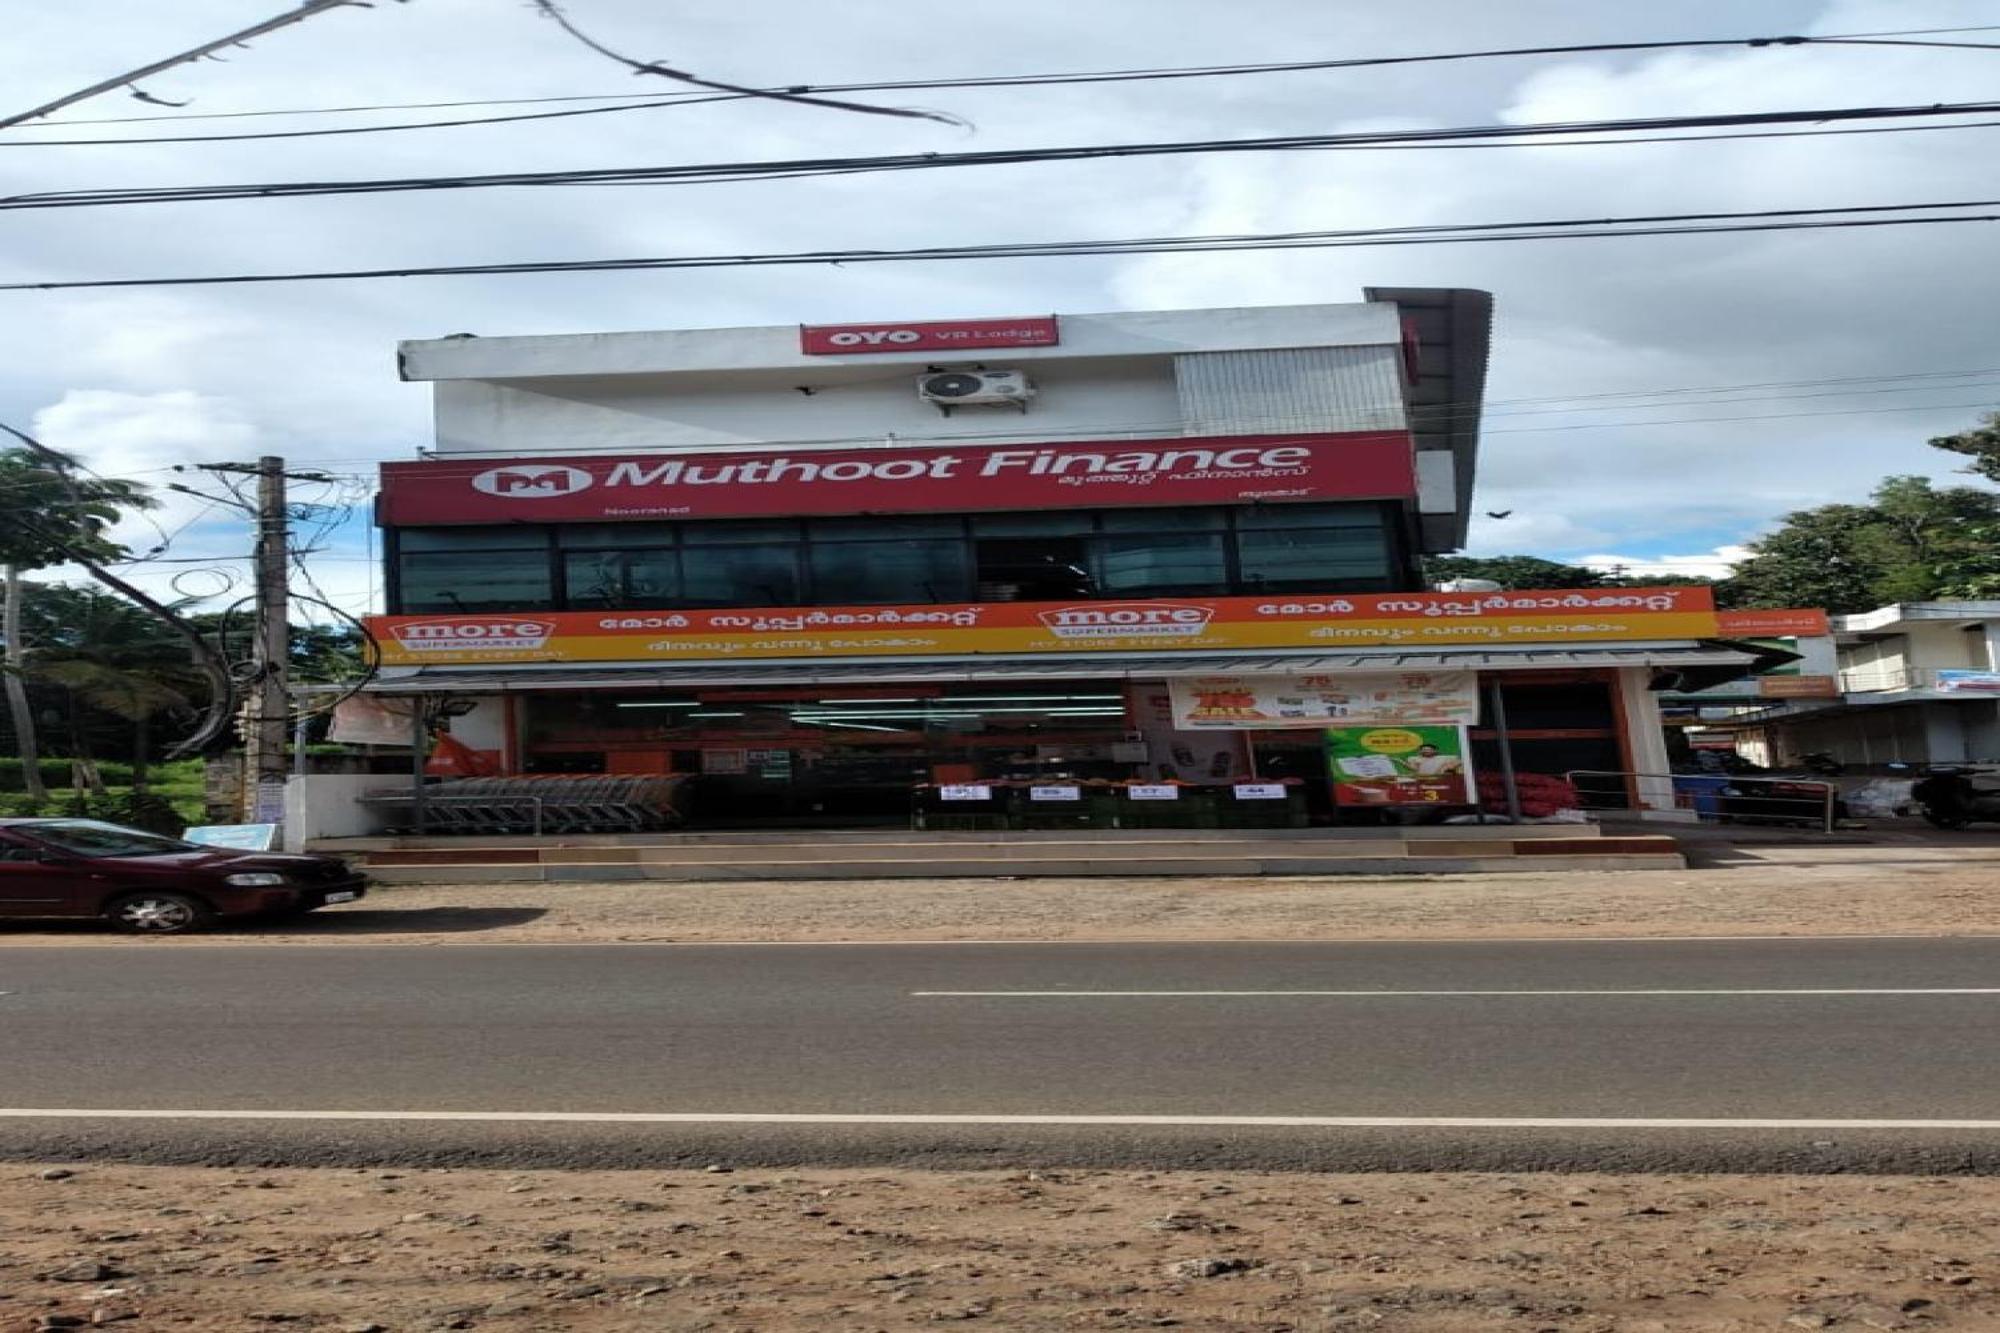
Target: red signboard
{"x":1229,"y":469}
{"x":1790,"y":624}
{"x":928,"y":336}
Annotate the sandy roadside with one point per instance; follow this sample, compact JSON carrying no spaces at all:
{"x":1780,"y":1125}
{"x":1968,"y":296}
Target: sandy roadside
{"x":221,"y":1250}
{"x":1771,"y":891}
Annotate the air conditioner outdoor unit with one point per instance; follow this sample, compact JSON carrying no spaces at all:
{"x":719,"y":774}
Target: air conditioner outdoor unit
{"x":963,"y":388}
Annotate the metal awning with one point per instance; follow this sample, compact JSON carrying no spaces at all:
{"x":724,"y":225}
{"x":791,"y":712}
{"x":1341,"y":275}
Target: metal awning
{"x":1716,"y":658}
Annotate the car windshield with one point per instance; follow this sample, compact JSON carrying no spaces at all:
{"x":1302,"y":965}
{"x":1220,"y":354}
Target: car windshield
{"x":91,"y":837}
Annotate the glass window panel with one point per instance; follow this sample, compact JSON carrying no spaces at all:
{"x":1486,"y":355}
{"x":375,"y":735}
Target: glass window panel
{"x":512,"y":536}
{"x":890,"y":572}
{"x":719,"y":532}
{"x":1062,"y":523}
{"x":1312,"y":558}
{"x":876,"y":527}
{"x":475,"y":581}
{"x":1206,"y":519}
{"x":741,"y":576}
{"x":1309,"y":516}
{"x":1143,"y":565}
{"x":614,"y":534}
{"x":607,"y":580}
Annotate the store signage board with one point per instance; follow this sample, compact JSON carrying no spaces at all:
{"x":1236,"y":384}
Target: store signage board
{"x":1055,"y":793}
{"x":1791,"y":624}
{"x":1968,"y":682}
{"x":1259,"y":791}
{"x":1261,"y":702}
{"x":1417,"y":619}
{"x":1390,"y":766}
{"x":965,"y":791}
{"x":1146,"y":792}
{"x":935,"y":335}
{"x":901,"y":479}
{"x":1803,"y":687}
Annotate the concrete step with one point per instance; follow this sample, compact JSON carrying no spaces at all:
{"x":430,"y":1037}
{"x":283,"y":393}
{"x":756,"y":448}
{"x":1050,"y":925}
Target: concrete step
{"x":1098,"y":867}
{"x":721,"y":854}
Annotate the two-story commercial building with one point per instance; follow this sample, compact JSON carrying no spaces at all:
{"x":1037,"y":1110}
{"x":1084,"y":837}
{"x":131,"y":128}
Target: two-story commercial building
{"x":815,"y":567}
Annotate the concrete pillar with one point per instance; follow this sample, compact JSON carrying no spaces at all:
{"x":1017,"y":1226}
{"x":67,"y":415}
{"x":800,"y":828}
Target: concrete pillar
{"x":1639,"y":714}
{"x":1990,"y":634}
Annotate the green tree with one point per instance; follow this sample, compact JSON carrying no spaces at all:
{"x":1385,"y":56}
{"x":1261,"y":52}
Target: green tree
{"x":1912,"y":542}
{"x":1512,"y":571}
{"x":48,"y":516}
{"x":1980,"y":443}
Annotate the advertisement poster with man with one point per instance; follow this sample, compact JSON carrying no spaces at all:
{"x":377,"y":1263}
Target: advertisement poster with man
{"x":1391,"y":766}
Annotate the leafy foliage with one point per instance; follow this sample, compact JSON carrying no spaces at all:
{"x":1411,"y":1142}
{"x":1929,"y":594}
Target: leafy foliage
{"x":43,"y":510}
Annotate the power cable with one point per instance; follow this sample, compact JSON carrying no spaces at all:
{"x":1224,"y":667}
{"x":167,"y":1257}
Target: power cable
{"x":129,"y":80}
{"x":1684,"y":224}
{"x":713,"y":172}
{"x":990,"y":81}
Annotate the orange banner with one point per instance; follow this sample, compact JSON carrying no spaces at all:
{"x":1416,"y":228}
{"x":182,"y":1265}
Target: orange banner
{"x":1412,"y":619}
{"x":1772,"y":624}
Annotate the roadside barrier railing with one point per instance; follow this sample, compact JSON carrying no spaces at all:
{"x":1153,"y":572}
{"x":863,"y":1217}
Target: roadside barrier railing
{"x":1716,"y":798}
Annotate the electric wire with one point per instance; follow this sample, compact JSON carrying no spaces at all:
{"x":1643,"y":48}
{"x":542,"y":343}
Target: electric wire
{"x":992,"y":81}
{"x":715,"y":172}
{"x":1683,"y":224}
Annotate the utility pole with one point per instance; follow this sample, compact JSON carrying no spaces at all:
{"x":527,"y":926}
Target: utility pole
{"x":267,"y":710}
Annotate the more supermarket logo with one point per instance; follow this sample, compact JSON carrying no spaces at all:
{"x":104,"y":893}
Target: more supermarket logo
{"x":1128,"y":620}
{"x":487,"y":633}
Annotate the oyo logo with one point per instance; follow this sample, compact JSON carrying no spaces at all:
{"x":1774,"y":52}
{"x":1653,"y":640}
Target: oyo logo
{"x":533,"y":481}
{"x":1124,"y":620}
{"x":448,"y":636}
{"x":874,"y":337}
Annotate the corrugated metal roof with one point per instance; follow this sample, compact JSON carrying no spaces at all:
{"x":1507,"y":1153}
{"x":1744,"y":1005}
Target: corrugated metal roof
{"x":1100,"y":666}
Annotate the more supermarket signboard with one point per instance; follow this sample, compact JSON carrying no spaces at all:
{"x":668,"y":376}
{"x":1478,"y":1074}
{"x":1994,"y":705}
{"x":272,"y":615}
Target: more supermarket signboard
{"x":1188,"y":623}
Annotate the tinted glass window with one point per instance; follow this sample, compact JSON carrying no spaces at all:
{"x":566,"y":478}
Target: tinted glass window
{"x":1312,"y":557}
{"x":1058,"y":524}
{"x":612,"y":579}
{"x":874,"y":528}
{"x":476,"y":581}
{"x":742,"y":576}
{"x":905,"y":571}
{"x":1308,"y":516}
{"x":732,"y":531}
{"x":1139,"y":565}
{"x":511,"y":536}
{"x":89,"y":837}
{"x":614,"y":534}
{"x":1161,"y":520}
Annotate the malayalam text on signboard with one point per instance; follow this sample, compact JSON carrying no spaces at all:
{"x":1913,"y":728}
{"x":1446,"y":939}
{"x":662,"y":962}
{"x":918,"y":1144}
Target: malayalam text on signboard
{"x":901,"y":479}
{"x":1196,"y":624}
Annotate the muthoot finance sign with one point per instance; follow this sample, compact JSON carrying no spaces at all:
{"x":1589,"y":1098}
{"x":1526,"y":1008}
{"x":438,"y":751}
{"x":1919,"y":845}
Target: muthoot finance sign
{"x":902,"y":479}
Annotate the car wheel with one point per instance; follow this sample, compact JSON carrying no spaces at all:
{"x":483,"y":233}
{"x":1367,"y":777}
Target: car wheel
{"x":158,"y":913}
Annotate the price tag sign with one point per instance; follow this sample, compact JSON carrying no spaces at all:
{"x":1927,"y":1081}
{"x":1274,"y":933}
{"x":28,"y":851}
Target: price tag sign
{"x":1260,"y":791}
{"x":965,"y":792}
{"x":1055,"y":793}
{"x":1163,"y":792}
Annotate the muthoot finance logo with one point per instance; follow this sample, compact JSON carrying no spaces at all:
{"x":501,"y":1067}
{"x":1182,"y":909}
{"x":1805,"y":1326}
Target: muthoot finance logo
{"x":533,"y":481}
{"x":1127,"y":620}
{"x":449,"y":636}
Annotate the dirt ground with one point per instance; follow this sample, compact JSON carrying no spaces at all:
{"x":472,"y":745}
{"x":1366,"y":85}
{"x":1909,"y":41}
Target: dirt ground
{"x":1821,"y":890}
{"x":221,"y":1250}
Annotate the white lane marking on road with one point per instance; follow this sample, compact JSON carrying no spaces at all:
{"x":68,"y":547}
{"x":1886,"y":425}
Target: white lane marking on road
{"x":844,"y":1118}
{"x":1403,"y":994}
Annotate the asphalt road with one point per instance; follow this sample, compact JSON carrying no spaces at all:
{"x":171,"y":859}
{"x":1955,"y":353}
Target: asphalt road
{"x":1833,"y":1054}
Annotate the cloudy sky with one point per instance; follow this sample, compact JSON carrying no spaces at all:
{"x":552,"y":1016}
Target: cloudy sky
{"x":1658,"y":401}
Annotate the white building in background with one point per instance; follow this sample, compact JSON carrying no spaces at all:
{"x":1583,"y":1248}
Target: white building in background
{"x":1919,"y":683}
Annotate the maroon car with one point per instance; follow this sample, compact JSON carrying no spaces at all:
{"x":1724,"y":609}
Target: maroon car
{"x":154,"y":885}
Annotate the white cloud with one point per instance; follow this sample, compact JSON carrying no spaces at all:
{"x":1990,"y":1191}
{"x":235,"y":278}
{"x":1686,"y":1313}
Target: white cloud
{"x":1715,"y":564}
